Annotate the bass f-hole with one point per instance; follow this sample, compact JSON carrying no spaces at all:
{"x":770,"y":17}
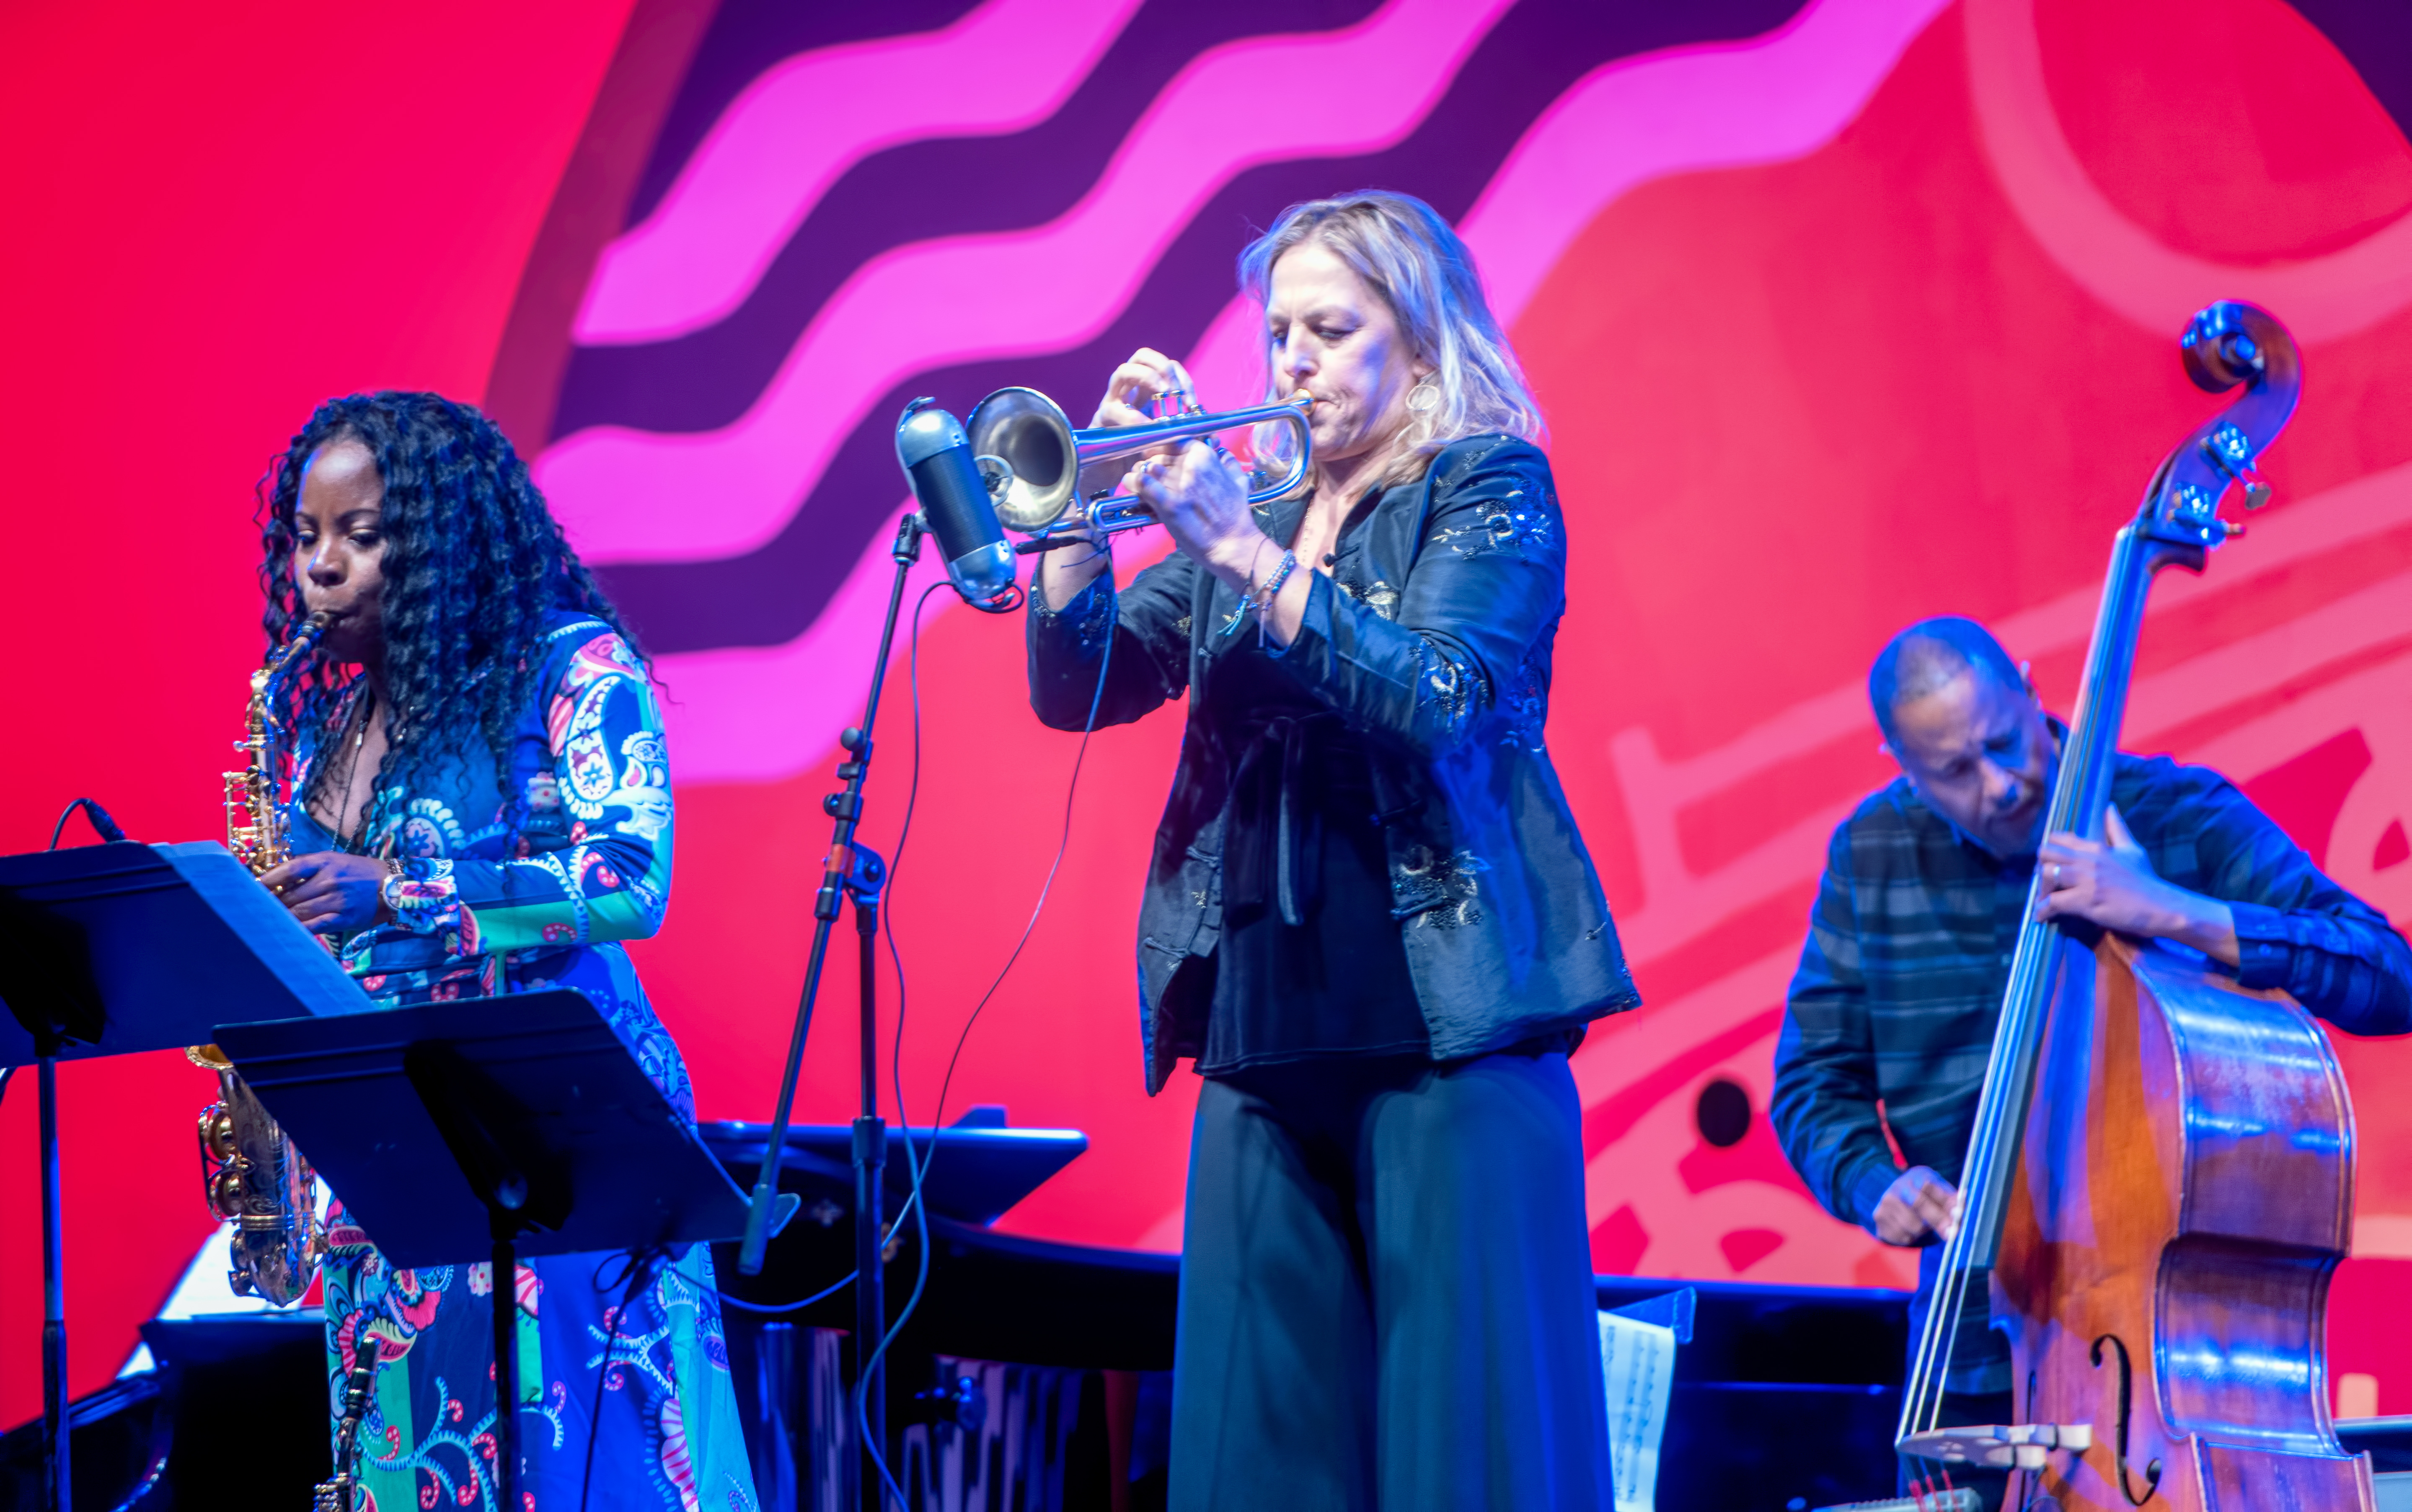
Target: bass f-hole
{"x":2119,"y":1438}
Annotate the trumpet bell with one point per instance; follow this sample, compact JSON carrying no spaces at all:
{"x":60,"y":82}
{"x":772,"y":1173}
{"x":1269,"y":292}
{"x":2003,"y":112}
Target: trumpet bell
{"x":1032,"y":438}
{"x":1032,"y":458}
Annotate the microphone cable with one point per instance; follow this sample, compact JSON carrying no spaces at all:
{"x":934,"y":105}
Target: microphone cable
{"x":774,"y":1309}
{"x":887,"y":931}
{"x":918,"y":1161}
{"x":102,"y":824}
{"x":918,"y":1158}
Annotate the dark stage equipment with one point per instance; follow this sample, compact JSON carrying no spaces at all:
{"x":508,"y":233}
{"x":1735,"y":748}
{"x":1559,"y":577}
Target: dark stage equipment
{"x":453,"y":1130}
{"x":118,"y":947}
{"x":1784,"y":1397}
{"x":954,"y":508}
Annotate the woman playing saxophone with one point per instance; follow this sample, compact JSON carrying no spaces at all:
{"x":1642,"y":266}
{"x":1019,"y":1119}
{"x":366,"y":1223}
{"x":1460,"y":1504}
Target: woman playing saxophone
{"x":482,"y":805}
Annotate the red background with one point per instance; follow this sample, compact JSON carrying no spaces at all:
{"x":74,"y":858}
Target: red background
{"x":1793,"y":407}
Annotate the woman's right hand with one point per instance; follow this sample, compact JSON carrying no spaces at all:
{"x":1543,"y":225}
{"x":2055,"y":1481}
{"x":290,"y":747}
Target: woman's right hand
{"x":331,"y":891}
{"x":1146,"y":377}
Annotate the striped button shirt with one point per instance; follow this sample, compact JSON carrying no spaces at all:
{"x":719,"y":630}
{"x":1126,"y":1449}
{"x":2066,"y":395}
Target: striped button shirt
{"x":1910,"y":950}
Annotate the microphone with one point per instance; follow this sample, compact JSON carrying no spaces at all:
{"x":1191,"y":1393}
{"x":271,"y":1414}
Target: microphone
{"x":936,"y":457}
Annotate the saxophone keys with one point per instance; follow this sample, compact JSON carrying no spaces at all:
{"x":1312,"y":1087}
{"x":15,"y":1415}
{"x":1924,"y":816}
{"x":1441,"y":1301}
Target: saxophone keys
{"x":225,"y":1193}
{"x":217,"y":1136}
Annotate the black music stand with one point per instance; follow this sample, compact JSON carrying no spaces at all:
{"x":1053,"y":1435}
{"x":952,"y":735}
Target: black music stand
{"x":502,"y":1127}
{"x":113,"y":949}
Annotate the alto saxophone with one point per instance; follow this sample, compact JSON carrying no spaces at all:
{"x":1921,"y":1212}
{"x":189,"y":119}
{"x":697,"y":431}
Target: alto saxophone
{"x":252,"y":1174}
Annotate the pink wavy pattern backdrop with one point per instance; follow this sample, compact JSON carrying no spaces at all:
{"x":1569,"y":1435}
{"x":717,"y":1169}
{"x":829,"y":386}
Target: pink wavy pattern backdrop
{"x":1676,"y":236}
{"x":1622,"y":125}
{"x":2315,"y":673}
{"x":950,"y":300}
{"x":1005,"y":65}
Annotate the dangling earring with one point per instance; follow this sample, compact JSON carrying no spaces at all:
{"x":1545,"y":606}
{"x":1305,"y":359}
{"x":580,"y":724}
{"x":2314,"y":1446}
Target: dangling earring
{"x":1424,"y":397}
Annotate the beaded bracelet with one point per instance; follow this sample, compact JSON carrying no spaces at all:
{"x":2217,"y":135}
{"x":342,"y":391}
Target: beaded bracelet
{"x":1281,"y":570}
{"x":1260,"y":602}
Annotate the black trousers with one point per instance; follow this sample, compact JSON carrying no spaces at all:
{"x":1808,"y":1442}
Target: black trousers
{"x":1386,"y":1292}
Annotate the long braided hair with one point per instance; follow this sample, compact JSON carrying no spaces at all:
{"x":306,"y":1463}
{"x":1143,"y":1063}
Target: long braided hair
{"x":475,"y":569}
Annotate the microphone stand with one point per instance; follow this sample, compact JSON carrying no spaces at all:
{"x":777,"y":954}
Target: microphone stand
{"x":848,"y":870}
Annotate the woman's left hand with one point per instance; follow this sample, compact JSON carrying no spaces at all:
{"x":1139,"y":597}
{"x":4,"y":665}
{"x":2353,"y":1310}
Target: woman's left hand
{"x":330,"y":891}
{"x":1198,"y":494}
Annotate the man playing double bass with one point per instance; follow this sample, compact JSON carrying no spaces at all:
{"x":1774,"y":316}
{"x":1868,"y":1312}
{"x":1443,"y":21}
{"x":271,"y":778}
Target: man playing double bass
{"x":1891,"y":1014}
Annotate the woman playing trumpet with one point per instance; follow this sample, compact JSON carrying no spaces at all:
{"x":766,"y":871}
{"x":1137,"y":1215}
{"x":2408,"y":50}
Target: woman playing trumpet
{"x":1369,"y":918}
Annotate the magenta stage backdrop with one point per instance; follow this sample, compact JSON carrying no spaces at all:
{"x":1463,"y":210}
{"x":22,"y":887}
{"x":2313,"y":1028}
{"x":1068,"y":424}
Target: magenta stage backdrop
{"x":1842,"y":312}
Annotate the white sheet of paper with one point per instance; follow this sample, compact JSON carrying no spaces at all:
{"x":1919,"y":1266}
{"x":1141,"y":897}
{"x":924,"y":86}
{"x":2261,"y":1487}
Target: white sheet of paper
{"x":1638,"y":1359}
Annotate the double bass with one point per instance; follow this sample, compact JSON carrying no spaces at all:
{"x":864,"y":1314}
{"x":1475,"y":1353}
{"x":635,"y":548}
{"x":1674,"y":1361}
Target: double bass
{"x":2161,"y":1180}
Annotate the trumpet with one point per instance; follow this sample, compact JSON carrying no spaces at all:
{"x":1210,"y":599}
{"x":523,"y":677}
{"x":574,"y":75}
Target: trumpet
{"x":1031,"y":459}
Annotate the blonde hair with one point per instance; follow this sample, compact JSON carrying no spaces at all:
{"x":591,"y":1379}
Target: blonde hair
{"x":1407,"y":254}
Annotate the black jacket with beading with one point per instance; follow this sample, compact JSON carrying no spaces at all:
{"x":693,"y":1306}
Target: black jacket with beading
{"x":1431,"y":640}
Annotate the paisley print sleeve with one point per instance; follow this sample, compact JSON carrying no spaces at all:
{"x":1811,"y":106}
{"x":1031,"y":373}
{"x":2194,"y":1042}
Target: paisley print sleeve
{"x":603,"y":808}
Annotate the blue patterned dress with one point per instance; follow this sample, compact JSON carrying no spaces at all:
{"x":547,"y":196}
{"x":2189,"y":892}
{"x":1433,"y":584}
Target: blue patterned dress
{"x":514,"y":895}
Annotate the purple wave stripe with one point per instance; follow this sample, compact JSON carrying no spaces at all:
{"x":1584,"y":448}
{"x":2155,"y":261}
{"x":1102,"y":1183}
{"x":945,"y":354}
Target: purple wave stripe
{"x":1227,"y":367}
{"x":962,"y":298}
{"x":753,"y":714}
{"x":791,"y":134}
{"x":1684,"y":111}
{"x":759,"y":713}
{"x":1625,"y":124}
{"x":1003,"y":181}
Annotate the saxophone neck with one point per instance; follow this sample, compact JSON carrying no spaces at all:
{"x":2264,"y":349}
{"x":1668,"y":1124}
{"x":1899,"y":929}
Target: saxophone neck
{"x":255,"y":818}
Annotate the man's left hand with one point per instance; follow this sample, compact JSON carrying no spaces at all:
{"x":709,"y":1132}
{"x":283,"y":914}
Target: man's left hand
{"x":2111,"y":882}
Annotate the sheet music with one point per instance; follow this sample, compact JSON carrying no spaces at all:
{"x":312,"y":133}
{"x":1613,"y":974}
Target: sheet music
{"x":1638,"y":1359}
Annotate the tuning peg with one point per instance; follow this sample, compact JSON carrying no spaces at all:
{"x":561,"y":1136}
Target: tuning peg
{"x":2229,"y":450}
{"x":2232,"y":528}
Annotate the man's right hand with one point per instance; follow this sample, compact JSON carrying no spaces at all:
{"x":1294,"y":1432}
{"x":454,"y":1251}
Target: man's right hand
{"x":1917,"y":1208}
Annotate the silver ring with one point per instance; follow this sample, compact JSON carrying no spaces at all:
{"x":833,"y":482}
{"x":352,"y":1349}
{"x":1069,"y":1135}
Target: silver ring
{"x":2056,"y":872}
